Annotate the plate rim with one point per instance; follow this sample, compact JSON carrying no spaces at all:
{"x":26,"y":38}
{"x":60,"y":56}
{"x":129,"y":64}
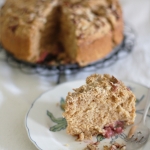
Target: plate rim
{"x":49,"y":90}
{"x":31,"y":106}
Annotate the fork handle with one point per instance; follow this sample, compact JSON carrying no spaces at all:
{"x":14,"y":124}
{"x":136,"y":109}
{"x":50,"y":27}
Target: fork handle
{"x":146,"y":107}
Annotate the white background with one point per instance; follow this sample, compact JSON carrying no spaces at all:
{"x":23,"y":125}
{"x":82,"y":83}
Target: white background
{"x":19,"y":90}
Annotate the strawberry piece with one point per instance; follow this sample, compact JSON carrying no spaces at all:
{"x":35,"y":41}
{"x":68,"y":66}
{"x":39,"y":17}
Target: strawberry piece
{"x":42,"y":57}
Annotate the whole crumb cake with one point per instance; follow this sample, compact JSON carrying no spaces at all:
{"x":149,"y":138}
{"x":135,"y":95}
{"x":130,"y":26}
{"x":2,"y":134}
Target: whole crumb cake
{"x":61,"y":31}
{"x":104,"y":105}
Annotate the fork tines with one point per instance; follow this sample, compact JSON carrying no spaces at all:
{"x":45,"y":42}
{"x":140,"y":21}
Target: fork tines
{"x":137,"y":139}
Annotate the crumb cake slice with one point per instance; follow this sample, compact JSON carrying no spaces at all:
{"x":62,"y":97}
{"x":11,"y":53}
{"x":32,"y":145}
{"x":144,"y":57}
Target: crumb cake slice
{"x":102,"y":106}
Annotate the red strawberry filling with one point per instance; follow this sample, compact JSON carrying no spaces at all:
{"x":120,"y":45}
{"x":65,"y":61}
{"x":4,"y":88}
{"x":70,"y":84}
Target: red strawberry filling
{"x":112,"y":130}
{"x":42,"y":57}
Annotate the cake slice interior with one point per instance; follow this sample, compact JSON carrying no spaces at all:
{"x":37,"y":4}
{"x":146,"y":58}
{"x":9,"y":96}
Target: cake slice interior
{"x":104,"y":105}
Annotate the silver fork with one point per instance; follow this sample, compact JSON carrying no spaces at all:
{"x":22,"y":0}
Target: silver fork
{"x":138,"y":134}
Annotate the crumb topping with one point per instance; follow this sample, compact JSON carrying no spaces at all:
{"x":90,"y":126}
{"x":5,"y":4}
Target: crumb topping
{"x":91,"y":16}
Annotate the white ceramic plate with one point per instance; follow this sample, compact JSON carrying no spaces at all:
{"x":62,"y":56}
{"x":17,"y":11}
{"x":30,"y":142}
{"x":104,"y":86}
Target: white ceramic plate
{"x":37,"y":122}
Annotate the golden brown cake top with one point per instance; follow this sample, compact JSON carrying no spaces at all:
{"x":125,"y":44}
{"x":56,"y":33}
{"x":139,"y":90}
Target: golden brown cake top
{"x":37,"y":24}
{"x":101,"y":86}
{"x":27,"y":13}
{"x":92,"y":16}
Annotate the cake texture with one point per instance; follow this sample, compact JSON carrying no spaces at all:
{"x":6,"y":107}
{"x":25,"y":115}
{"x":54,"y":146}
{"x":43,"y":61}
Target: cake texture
{"x":96,"y":107}
{"x":68,"y":30}
{"x":95,"y":27}
{"x":28,"y":28}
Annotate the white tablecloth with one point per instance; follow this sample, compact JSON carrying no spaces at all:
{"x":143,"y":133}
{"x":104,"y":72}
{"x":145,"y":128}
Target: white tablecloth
{"x":19,"y":90}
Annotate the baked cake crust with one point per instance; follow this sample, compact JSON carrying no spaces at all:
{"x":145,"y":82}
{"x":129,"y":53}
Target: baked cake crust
{"x":102,"y":101}
{"x":24,"y":25}
{"x":95,"y":28}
